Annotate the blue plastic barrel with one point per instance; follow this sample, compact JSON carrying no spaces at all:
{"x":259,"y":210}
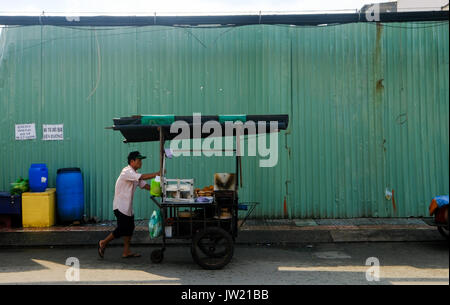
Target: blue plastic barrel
{"x":38,"y":177}
{"x":69,"y":194}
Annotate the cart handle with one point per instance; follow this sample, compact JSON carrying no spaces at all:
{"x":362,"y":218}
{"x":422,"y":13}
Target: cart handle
{"x":249,"y":212}
{"x":156,"y":202}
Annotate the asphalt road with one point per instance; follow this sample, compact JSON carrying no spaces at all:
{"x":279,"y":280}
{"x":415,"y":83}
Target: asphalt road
{"x":341,"y":263}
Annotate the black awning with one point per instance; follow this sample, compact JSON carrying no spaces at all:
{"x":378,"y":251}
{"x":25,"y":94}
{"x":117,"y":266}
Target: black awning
{"x":134,"y":131}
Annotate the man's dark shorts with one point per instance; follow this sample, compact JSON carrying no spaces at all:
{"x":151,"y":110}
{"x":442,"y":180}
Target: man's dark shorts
{"x":125,"y":225}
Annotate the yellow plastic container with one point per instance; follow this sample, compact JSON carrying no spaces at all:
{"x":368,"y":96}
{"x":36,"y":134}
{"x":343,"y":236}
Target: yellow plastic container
{"x":38,"y":209}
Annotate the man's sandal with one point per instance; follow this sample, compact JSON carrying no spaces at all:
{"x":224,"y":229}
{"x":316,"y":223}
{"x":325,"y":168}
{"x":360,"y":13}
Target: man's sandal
{"x":101,"y":251}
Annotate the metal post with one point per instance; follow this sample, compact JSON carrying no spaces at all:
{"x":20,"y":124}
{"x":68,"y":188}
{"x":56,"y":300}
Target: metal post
{"x":161,"y":175}
{"x":161,"y":151}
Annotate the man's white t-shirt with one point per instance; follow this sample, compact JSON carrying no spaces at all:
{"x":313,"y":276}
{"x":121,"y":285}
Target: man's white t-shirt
{"x":125,"y":186}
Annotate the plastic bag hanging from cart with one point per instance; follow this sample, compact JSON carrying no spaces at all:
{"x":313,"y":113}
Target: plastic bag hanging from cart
{"x":155,"y":224}
{"x":155,"y":188}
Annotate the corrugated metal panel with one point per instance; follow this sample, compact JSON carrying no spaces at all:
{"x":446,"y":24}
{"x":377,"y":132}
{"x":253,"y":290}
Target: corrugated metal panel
{"x":368,"y":109}
{"x":370,"y":112}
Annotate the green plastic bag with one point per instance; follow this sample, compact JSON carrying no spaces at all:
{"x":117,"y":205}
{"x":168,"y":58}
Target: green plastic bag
{"x":155,"y":187}
{"x":155,"y":225}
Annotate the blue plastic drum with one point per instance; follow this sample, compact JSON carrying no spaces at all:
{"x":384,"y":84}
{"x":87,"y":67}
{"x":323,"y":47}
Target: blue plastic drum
{"x":38,"y":177}
{"x":69,"y":194}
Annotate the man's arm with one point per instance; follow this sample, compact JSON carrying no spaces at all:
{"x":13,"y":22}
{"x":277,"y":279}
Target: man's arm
{"x":148,"y":176}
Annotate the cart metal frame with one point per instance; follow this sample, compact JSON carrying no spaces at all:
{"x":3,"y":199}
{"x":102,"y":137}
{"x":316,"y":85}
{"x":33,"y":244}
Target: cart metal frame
{"x":203,"y":216}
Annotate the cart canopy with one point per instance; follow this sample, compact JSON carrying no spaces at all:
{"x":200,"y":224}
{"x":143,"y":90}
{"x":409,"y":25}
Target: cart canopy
{"x":145,"y":128}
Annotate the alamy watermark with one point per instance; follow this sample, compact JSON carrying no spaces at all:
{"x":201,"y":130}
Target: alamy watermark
{"x":373,"y":13}
{"x":213,"y":144}
{"x":73,"y":273}
{"x":373,"y":273}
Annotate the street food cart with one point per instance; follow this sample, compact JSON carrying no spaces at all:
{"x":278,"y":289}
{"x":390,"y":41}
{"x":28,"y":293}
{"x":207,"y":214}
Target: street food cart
{"x":210,"y":222}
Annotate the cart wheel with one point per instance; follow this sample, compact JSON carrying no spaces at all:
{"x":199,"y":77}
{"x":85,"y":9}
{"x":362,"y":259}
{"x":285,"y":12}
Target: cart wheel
{"x":213,"y":248}
{"x":157,"y":256}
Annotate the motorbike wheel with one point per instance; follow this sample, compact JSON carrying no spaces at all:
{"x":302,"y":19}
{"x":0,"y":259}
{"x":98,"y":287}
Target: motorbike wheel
{"x":443,"y":231}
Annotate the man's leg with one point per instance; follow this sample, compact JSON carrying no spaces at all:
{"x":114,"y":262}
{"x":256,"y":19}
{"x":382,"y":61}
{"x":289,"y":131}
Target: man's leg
{"x":127,"y":239}
{"x":116,"y":234}
{"x":126,"y":246}
{"x":105,"y":242}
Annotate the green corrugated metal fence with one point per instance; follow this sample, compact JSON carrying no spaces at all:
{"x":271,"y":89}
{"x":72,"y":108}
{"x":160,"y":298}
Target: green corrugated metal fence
{"x":368,"y":107}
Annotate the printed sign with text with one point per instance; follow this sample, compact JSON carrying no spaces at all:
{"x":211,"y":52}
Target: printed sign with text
{"x":25,"y":131}
{"x":52,"y":132}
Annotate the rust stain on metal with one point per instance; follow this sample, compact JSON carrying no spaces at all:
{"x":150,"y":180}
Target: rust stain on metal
{"x":380,"y":84}
{"x":393,"y":201}
{"x":379,"y":31}
{"x":378,"y":48}
{"x":378,"y":65}
{"x":285,"y":208}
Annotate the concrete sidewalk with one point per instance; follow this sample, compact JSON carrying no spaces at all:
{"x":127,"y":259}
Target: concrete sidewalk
{"x":254,"y":231}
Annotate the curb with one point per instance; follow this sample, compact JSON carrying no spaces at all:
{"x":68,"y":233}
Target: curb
{"x":246,"y":237}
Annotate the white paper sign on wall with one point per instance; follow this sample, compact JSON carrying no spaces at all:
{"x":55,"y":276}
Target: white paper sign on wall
{"x":53,"y":132}
{"x":25,"y":131}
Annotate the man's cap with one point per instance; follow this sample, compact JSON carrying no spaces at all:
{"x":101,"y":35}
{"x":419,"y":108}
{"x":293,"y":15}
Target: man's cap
{"x":135,"y":155}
